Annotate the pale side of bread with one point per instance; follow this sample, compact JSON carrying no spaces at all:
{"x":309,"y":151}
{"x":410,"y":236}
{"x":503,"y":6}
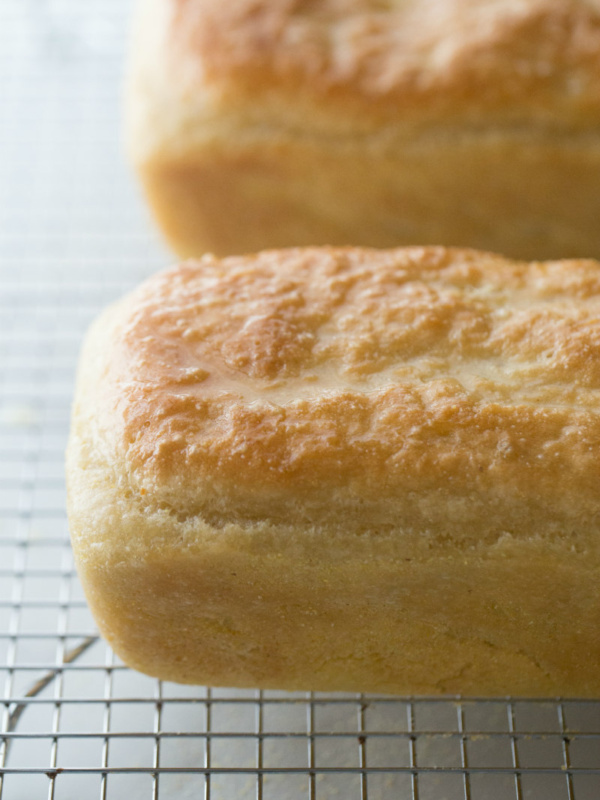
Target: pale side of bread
{"x":346,"y":469}
{"x":274,"y":123}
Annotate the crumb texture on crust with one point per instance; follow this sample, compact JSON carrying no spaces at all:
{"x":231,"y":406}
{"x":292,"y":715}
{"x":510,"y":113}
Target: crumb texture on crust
{"x":346,"y":469}
{"x":519,"y":59}
{"x":419,"y":384}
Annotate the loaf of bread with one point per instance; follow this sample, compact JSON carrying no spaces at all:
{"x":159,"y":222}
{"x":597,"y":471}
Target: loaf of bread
{"x":346,"y":469}
{"x":277,"y":123}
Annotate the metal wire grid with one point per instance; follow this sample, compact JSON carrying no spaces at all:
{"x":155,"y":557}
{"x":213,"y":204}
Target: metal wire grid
{"x":74,"y":722}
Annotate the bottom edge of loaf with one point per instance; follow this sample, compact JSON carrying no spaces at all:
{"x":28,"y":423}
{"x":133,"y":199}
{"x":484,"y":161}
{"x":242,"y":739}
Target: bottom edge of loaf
{"x":457,"y":627}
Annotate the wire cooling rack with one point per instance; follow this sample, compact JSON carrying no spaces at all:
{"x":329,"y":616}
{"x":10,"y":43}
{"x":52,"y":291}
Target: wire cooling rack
{"x":74,"y":722}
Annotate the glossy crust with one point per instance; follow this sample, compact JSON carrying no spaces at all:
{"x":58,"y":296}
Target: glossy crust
{"x":258,"y":124}
{"x":346,"y":469}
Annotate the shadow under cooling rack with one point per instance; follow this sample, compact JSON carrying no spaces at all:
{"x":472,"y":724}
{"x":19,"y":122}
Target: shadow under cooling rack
{"x":91,"y":727}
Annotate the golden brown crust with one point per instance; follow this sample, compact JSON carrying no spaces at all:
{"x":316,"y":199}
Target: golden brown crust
{"x":526,"y":195}
{"x":517,"y":60}
{"x":256,"y":124}
{"x":346,"y":469}
{"x":323,"y":377}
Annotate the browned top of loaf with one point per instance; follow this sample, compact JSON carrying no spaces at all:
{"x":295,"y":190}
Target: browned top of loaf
{"x":486,"y":59}
{"x":313,"y":377}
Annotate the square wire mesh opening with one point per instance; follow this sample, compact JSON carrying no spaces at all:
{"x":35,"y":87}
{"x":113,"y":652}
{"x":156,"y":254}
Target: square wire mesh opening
{"x":74,"y":722}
